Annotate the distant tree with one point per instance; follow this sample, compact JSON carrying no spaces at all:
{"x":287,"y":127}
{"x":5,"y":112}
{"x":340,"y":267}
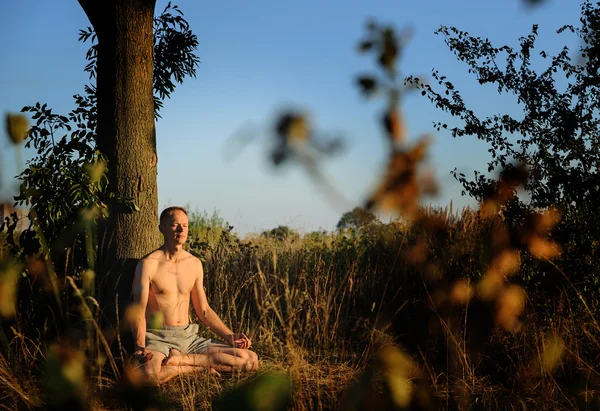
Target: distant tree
{"x":280,"y":232}
{"x":316,"y":236}
{"x":357,"y":218}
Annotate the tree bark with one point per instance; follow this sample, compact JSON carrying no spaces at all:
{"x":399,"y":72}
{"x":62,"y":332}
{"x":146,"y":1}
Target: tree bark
{"x":126,"y":135}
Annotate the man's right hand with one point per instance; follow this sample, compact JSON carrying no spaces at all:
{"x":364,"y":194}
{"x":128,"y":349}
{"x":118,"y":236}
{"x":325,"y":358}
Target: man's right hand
{"x":240,"y":340}
{"x":142,"y":355}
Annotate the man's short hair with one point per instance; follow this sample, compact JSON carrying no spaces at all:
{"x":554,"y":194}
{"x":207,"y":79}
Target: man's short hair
{"x":168,"y":211}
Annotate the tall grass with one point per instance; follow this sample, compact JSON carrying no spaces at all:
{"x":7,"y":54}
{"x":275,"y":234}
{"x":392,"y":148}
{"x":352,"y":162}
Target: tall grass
{"x":321,"y":309}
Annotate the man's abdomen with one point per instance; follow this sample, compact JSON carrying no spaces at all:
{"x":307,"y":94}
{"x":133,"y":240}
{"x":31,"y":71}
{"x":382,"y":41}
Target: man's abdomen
{"x":170,"y":312}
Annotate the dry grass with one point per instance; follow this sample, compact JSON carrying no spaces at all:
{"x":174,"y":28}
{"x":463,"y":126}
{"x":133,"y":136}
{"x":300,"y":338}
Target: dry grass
{"x":319,"y":309}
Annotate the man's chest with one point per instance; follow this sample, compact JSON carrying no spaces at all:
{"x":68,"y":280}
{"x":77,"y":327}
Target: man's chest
{"x":173,"y":278}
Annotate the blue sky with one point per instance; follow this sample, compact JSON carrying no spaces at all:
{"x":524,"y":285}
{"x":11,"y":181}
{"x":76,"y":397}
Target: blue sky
{"x":257,"y":57}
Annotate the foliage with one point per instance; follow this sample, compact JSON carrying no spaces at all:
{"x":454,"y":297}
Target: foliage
{"x":355,"y":219}
{"x":208,"y":232}
{"x":174,"y":58}
{"x":403,"y":182}
{"x":281,"y":232}
{"x":556,"y":138}
{"x":67,"y":175}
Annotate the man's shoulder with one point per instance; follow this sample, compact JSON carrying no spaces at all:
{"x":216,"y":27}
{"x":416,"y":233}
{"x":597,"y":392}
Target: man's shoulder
{"x":151,"y":258}
{"x":192,"y":259}
{"x":192,"y":263}
{"x":147,"y":266}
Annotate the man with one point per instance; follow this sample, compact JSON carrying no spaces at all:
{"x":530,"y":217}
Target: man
{"x":164,"y":281}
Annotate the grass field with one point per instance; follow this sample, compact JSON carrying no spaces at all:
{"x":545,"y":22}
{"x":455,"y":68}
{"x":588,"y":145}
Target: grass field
{"x":381,"y":317}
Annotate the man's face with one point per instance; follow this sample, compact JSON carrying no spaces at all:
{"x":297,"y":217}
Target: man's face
{"x":175,"y":227}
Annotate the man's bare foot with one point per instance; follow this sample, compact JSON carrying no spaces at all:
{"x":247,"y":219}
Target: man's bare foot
{"x":175,"y":359}
{"x":214,"y":372}
{"x":172,"y":359}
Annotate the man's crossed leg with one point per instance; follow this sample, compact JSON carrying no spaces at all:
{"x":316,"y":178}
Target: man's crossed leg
{"x":216,"y":359}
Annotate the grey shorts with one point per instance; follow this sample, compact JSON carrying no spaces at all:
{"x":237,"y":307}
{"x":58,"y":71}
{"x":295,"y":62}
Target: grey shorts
{"x":184,"y":339}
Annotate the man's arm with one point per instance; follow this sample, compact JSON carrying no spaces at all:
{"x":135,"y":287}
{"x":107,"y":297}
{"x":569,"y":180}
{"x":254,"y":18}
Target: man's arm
{"x":206,"y":314}
{"x":141,"y":290}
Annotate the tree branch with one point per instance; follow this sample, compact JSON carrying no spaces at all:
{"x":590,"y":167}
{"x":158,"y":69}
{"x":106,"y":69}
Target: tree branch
{"x":90,"y":7}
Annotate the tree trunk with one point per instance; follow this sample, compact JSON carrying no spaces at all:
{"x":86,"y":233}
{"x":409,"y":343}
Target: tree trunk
{"x":126,"y":135}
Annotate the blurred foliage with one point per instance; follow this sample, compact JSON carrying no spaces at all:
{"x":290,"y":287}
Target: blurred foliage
{"x":17,"y":127}
{"x":294,"y":140}
{"x":267,"y":392}
{"x":9,"y":275}
{"x":403,"y":182}
{"x":64,"y":379}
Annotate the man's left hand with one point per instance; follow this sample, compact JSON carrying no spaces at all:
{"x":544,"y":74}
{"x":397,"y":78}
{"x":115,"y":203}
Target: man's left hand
{"x":142,"y":355}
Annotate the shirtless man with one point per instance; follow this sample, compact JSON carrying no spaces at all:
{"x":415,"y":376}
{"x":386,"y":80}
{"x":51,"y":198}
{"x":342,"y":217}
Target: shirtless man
{"x":164,"y":281}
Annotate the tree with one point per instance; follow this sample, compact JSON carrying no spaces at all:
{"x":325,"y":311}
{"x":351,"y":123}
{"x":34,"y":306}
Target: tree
{"x":357,"y":218}
{"x":557,"y":136}
{"x":125,"y":130}
{"x":126,"y":134}
{"x":75,"y":153}
{"x":281,"y":232}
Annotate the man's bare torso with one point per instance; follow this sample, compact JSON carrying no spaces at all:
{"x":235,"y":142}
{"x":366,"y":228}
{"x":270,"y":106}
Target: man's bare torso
{"x":171,"y":283}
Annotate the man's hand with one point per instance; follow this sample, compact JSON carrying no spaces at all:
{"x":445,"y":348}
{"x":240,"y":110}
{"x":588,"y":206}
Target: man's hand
{"x":142,"y":355}
{"x":240,"y":340}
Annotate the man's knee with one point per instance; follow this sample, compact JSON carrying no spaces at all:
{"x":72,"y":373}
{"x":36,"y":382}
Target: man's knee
{"x":245,"y":360}
{"x":251,"y":360}
{"x":151,"y":370}
{"x":246,"y":355}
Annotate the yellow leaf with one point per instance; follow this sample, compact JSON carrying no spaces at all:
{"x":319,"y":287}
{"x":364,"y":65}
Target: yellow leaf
{"x":504,"y":265}
{"x":542,"y":248}
{"x":401,"y":389}
{"x":298,"y":130}
{"x":132,"y":315}
{"x":510,"y":306}
{"x":9,"y":274}
{"x":399,"y":369}
{"x":156,"y":320}
{"x":95,"y":170}
{"x":461,"y":292}
{"x":552,"y":353}
{"x":17,"y":127}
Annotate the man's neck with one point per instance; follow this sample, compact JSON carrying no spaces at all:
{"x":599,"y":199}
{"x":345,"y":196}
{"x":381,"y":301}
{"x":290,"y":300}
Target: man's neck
{"x":172,"y":251}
